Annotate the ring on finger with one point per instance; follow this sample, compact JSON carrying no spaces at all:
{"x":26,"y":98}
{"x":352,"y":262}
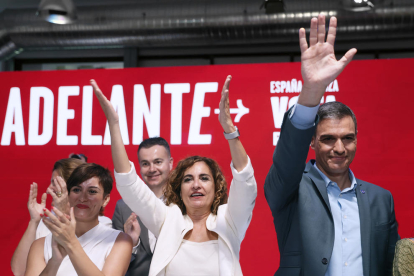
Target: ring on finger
{"x":59,"y":194}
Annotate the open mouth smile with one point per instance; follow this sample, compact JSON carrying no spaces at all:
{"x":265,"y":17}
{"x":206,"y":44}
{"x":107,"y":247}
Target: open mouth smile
{"x":197,"y":195}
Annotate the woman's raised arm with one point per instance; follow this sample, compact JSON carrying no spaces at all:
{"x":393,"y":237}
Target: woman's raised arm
{"x":238,"y":154}
{"x":243,"y":189}
{"x":18,"y":262}
{"x":134,"y":192}
{"x":119,"y":155}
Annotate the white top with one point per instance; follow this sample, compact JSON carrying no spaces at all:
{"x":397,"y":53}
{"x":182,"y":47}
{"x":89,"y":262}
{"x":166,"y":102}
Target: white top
{"x":42,"y":230}
{"x":97,"y":244}
{"x":195,"y":259}
{"x":169,"y":225}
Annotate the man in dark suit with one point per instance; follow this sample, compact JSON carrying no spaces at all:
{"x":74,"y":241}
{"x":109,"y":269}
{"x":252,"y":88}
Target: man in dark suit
{"x":155,"y":165}
{"x":327,"y":221}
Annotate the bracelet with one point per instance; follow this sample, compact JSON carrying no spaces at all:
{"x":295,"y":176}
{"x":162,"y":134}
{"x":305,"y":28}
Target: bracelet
{"x":232,"y":135}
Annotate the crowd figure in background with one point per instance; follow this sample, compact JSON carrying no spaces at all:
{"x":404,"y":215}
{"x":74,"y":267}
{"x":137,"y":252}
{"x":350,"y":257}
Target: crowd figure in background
{"x":155,"y":162}
{"x":79,"y":156}
{"x":404,"y":258}
{"x":198,"y":231}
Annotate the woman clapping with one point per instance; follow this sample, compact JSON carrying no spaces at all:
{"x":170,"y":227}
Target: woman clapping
{"x":79,"y":244}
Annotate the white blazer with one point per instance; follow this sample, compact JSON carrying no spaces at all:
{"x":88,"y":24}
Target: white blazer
{"x":169,"y":225}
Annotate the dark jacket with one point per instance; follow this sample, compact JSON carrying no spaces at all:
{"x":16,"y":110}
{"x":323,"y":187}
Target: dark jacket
{"x":140,"y":262}
{"x":299,"y":202}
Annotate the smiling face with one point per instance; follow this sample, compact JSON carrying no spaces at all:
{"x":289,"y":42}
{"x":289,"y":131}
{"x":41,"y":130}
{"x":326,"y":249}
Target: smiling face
{"x":155,"y":164}
{"x":335,"y":145}
{"x":87,"y":198}
{"x":198,"y":188}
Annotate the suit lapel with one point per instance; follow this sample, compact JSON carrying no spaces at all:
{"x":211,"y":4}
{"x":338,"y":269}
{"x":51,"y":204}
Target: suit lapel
{"x":319,"y":183}
{"x":365,"y":224}
{"x":144,"y":237}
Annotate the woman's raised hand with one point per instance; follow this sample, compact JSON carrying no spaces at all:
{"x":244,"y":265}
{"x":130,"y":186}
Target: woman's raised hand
{"x":224,"y":115}
{"x":106,"y":105}
{"x":35,"y":209}
{"x":62,"y":227}
{"x":59,"y":194}
{"x":119,"y":155}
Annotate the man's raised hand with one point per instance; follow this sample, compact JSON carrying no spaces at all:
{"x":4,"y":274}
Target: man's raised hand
{"x":319,"y":64}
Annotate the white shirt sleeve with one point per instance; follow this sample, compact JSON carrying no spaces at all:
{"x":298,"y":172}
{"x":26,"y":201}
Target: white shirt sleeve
{"x":135,"y":248}
{"x":242,"y":198}
{"x":141,"y":200}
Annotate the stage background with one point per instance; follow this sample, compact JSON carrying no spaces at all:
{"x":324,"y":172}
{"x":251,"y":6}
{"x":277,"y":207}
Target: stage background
{"x":379,"y":92}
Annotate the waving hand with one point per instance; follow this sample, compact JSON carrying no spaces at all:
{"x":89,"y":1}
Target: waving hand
{"x":119,"y":155}
{"x":319,"y":64}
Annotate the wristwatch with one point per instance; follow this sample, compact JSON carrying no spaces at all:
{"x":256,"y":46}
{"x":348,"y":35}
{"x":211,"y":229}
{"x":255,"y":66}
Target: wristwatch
{"x":232,"y":135}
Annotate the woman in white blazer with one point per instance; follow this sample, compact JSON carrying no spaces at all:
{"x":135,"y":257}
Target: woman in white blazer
{"x":198,"y":232}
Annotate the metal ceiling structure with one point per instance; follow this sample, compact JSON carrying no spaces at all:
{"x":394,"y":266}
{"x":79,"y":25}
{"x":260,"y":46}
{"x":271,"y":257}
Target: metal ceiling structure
{"x":196,"y":23}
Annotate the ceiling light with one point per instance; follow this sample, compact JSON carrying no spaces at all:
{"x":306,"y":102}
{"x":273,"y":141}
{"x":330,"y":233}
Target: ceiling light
{"x":273,"y":6}
{"x":57,"y":11}
{"x":357,"y":5}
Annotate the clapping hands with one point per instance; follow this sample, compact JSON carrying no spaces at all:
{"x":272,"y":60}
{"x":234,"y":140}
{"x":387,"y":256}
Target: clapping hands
{"x":132,"y":228}
{"x":35,"y":209}
{"x":59,"y":194}
{"x":61,"y":225}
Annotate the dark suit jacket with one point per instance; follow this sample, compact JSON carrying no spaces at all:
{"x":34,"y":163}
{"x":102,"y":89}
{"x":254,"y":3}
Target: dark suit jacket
{"x":298,"y":198}
{"x":140,"y":262}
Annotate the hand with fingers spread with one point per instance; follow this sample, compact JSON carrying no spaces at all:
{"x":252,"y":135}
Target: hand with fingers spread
{"x":62,"y":227}
{"x":319,"y":64}
{"x":132,"y":228}
{"x":59,"y":194}
{"x":224,"y":115}
{"x":35,"y":209}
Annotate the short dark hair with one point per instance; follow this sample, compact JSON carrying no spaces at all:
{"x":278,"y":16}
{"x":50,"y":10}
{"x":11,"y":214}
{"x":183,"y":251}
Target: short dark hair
{"x":86,"y":171}
{"x":150,"y":142}
{"x":336,"y":110}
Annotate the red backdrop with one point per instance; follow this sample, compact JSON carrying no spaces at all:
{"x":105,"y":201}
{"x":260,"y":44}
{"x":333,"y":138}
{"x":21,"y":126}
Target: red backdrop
{"x":379,"y":92}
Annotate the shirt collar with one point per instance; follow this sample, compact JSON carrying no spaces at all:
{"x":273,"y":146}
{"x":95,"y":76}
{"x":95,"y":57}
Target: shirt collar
{"x":327,"y":180}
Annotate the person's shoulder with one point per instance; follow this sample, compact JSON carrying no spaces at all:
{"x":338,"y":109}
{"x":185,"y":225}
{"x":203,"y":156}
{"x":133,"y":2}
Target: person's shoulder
{"x":38,"y":244}
{"x":120,"y":203}
{"x":373,"y":188}
{"x":407,"y":243}
{"x":122,"y":206}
